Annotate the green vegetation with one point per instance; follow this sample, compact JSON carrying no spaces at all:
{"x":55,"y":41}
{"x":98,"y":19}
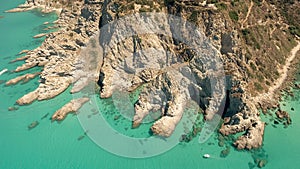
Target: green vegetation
{"x":145,"y":2}
{"x":145,"y":9}
{"x":245,"y":32}
{"x":294,"y":30}
{"x":290,"y":10}
{"x":248,"y":56}
{"x":250,"y":38}
{"x":126,"y":7}
{"x":258,"y":87}
{"x":212,"y":1}
{"x":253,"y":67}
{"x":234,"y":2}
{"x":193,"y":17}
{"x":233,"y":15}
{"x":258,"y":2}
{"x":221,"y":6}
{"x":169,"y":2}
{"x":260,"y":77}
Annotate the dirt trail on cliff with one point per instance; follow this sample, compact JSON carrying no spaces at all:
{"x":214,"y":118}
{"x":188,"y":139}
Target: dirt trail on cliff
{"x":248,"y":13}
{"x":283,"y":72}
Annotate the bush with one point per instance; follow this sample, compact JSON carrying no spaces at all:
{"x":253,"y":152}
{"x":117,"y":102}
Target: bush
{"x":246,"y":32}
{"x":250,"y":38}
{"x":253,"y":67}
{"x":258,"y":86}
{"x":194,"y":16}
{"x":169,"y":2}
{"x":258,"y":2}
{"x":233,"y":15}
{"x":294,"y":30}
{"x":212,"y":1}
{"x":221,"y":6}
{"x":234,"y":2}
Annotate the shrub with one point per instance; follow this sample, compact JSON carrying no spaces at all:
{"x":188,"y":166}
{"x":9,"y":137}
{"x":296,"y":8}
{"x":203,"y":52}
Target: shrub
{"x":294,"y":30}
{"x":253,"y":67}
{"x":221,"y":6}
{"x":258,"y":86}
{"x":193,"y":16}
{"x":233,"y":15}
{"x":258,"y":2}
{"x":169,"y":2}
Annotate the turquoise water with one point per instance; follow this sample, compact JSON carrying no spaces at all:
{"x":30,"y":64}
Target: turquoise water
{"x":56,"y":145}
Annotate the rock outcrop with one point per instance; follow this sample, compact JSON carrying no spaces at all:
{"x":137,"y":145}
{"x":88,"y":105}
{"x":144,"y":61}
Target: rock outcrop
{"x":72,"y":107}
{"x":253,"y":138}
{"x":171,"y":74}
{"x":28,"y":98}
{"x":284,"y":116}
{"x":23,"y":78}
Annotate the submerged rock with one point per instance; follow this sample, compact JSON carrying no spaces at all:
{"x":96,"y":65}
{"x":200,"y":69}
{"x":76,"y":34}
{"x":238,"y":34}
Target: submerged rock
{"x":259,"y":157}
{"x":80,"y":138}
{"x":283,"y":115}
{"x":33,"y":125}
{"x":225,"y":153}
{"x":13,"y":108}
{"x":262,"y":163}
{"x":221,"y":143}
{"x":251,"y":165}
{"x":116,"y":117}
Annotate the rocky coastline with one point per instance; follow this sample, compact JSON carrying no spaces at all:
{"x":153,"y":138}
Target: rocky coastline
{"x":59,"y":53}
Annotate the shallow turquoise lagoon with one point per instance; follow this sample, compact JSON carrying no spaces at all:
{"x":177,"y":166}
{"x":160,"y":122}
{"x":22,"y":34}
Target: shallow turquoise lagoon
{"x":56,"y":146}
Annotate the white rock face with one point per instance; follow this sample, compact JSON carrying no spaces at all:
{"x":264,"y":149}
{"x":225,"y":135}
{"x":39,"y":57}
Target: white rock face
{"x":171,"y":75}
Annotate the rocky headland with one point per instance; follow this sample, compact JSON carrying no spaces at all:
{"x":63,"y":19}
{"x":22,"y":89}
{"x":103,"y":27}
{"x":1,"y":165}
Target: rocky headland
{"x":256,"y":49}
{"x":72,"y":107}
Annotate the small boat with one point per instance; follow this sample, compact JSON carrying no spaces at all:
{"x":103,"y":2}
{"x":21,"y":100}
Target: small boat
{"x":206,"y":156}
{"x":3,"y":71}
{"x":33,"y":125}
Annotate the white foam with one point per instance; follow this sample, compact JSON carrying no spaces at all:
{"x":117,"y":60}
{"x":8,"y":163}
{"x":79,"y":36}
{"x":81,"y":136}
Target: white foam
{"x":3,"y":71}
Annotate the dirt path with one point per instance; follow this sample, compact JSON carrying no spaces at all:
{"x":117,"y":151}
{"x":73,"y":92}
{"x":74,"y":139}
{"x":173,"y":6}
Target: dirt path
{"x":283,"y":72}
{"x":248,"y":13}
